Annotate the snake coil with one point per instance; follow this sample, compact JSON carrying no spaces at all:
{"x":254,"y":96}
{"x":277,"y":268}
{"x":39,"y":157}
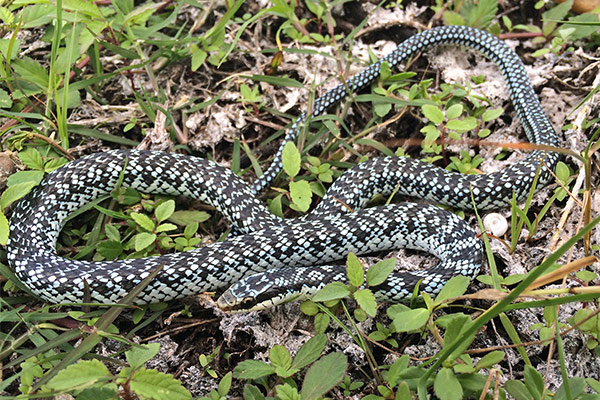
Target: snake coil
{"x":274,"y":258}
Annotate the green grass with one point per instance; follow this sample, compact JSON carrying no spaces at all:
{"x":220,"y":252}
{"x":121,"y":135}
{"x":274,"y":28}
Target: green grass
{"x":168,"y":67}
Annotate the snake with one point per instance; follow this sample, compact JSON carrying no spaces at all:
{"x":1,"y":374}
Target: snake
{"x":273,"y":259}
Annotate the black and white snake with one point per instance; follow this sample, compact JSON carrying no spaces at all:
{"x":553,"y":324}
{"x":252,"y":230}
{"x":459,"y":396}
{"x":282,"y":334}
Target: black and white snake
{"x":284,"y":252}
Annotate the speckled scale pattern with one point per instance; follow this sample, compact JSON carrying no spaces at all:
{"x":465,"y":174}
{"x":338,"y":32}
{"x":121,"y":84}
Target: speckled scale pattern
{"x":268,"y":242}
{"x":406,"y":225}
{"x":535,"y":122}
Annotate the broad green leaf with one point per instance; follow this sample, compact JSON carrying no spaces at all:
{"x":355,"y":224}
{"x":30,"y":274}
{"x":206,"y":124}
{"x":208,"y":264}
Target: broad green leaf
{"x":32,"y":158}
{"x":366,"y":301}
{"x":31,"y":71}
{"x":291,"y":159}
{"x":558,"y":12}
{"x":310,"y":351}
{"x":165,"y":228}
{"x":54,"y":163}
{"x":378,"y":336}
{"x":5,"y":100}
{"x":164,"y":210}
{"x":190,"y":230}
{"x":576,"y":387}
{"x":287,"y":392}
{"x":480,"y":14}
{"x":382,"y":109}
{"x":29,"y":371}
{"x":106,"y":392}
{"x":15,"y":193}
{"x":453,"y":18}
{"x":541,"y":52}
{"x":594,"y":384}
{"x":585,"y":320}
{"x":534,"y":381}
{"x":433,"y":113}
{"x":301,"y":195}
{"x":37,"y":15}
{"x":126,"y":195}
{"x":151,"y":384}
{"x":140,"y":14}
{"x":84,"y":7}
{"x":457,"y":324}
{"x":454,"y":111}
{"x":73,"y":98}
{"x":251,"y":392}
{"x":403,"y":391}
{"x":471,"y":382}
{"x":456,"y":286}
{"x":463,"y":369}
{"x":359,"y":314}
{"x":322,"y":321}
{"x":379,"y":272}
{"x":6,"y":16}
{"x":518,"y":390}
{"x":562,"y":171}
{"x":275,"y":205}
{"x":354,"y":270}
{"x":587,"y":24}
{"x":485,"y":279}
{"x":138,"y":314}
{"x":483,"y":133}
{"x":316,"y":8}
{"x":225,"y":384}
{"x":185,"y":217}
{"x":324,"y":375}
{"x":252,"y":369}
{"x":112,"y":233}
{"x":137,"y":356}
{"x":395,"y":309}
{"x":198,"y":56}
{"x":143,"y":240}
{"x":280,"y":357}
{"x":432,"y":133}
{"x":410,"y":320}
{"x":5,"y":44}
{"x":462,"y":125}
{"x":3,"y":229}
{"x":83,"y":374}
{"x":331,"y":291}
{"x":586,"y":276}
{"x":110,"y":249}
{"x":397,"y":367}
{"x":446,"y":386}
{"x":25,"y":176}
{"x":490,"y":115}
{"x":309,"y":308}
{"x":490,"y":359}
{"x":143,"y":221}
{"x":513,"y":279}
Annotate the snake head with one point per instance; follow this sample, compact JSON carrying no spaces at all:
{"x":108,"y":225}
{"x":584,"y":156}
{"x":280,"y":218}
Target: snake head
{"x":261,"y":291}
{"x":230,"y":303}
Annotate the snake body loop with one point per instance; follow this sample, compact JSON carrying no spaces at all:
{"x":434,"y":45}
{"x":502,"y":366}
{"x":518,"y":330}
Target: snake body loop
{"x":273,"y":253}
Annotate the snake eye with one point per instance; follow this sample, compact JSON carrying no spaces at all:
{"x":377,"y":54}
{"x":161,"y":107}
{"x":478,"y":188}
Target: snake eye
{"x":248,"y":303}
